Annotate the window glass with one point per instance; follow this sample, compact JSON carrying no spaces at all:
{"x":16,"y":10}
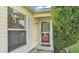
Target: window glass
{"x":16,"y":39}
{"x":15,"y":19}
{"x":45,"y":27}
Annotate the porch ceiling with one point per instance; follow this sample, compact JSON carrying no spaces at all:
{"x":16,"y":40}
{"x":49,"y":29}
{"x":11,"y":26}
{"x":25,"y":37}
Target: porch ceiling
{"x":45,"y":13}
{"x":33,"y":9}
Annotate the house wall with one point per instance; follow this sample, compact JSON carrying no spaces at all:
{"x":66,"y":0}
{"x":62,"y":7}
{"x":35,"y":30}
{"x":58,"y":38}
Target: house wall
{"x":46,"y":14}
{"x":3,"y":29}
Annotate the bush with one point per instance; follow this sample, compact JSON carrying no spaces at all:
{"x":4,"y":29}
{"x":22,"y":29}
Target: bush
{"x":65,"y":26}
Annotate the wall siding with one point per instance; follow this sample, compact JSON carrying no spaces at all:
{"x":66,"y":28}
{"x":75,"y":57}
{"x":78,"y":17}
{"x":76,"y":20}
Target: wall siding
{"x":3,"y":29}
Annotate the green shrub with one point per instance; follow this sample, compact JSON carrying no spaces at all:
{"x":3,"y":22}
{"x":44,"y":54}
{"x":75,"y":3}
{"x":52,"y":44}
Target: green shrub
{"x":65,"y":26}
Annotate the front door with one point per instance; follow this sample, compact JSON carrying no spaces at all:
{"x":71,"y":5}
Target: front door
{"x":45,"y":33}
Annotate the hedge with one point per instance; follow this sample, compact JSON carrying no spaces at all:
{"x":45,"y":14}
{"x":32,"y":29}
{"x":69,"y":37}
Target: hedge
{"x":65,"y":26}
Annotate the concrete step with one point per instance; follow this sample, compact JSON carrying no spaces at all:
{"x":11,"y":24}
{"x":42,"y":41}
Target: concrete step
{"x":44,"y":51}
{"x":41,"y":49}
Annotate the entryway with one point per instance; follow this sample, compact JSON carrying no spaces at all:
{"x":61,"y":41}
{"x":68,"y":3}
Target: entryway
{"x":45,"y":40}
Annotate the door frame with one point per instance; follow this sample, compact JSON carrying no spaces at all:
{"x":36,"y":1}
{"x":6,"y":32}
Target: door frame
{"x":51,"y":31}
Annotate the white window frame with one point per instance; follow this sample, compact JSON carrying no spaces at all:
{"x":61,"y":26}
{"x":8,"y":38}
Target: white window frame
{"x":28,"y":30}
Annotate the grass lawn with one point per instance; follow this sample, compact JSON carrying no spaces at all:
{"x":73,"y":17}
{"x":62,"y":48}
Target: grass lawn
{"x":74,"y":48}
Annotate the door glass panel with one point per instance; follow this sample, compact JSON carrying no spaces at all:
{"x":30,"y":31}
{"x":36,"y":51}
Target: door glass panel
{"x":45,"y":27}
{"x":45,"y":37}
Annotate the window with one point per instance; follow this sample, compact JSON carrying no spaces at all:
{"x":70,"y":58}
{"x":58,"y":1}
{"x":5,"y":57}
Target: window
{"x":16,"y":29}
{"x":16,"y":39}
{"x":15,"y":19}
